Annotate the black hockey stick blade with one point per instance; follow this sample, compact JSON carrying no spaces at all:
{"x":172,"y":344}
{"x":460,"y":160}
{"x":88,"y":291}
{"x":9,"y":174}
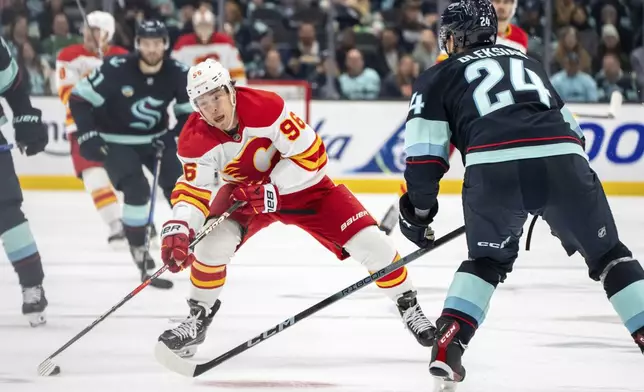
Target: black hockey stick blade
{"x":173,"y":362}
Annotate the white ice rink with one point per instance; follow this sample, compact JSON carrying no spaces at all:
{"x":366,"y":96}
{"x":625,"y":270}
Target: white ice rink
{"x":549,"y":329}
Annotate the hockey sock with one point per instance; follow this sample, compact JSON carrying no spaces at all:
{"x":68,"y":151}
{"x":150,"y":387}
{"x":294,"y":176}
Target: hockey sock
{"x":98,"y":185}
{"x":394,"y":279}
{"x":624,"y":285}
{"x":207,"y":282}
{"x":135,"y":219}
{"x":21,"y":250}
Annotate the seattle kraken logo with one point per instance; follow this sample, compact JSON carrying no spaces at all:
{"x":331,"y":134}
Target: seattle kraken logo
{"x":144,"y":110}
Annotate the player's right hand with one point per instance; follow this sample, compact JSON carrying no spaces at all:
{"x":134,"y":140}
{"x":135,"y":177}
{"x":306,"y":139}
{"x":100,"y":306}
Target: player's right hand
{"x":175,"y":245}
{"x":414,"y":228}
{"x":92,"y":146}
{"x":31,"y":133}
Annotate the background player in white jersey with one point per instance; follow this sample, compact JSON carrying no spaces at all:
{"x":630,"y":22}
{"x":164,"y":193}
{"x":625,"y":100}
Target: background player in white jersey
{"x":73,"y":63}
{"x":272,"y":160}
{"x":205,"y":43}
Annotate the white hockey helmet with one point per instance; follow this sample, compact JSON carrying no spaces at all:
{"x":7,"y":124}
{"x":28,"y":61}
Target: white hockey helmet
{"x":208,"y":75}
{"x":103,"y":21}
{"x":203,"y":16}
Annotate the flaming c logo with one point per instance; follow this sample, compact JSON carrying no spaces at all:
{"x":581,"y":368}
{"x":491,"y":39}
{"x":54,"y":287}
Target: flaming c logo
{"x":253,"y":163}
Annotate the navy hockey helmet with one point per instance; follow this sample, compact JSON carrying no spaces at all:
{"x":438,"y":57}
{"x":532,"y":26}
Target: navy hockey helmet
{"x":151,"y":29}
{"x":472,"y":23}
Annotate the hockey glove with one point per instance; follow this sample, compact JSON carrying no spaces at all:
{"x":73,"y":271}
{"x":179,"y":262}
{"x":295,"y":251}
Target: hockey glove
{"x":416,"y":229}
{"x":175,"y":242}
{"x":259,"y":199}
{"x":92,"y":146}
{"x":31,"y":133}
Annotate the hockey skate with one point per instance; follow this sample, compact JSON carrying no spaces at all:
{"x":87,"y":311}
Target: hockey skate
{"x":146,"y":265}
{"x":184,"y":339}
{"x":639,"y":339}
{"x":34,"y":304}
{"x":415,"y":320}
{"x":445,"y":364}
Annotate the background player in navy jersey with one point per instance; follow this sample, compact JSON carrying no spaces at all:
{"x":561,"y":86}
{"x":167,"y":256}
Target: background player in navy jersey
{"x":121,"y":113}
{"x":523,"y":153}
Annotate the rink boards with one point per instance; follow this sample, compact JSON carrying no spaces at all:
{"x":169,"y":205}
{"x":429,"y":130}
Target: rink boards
{"x":364,"y":143}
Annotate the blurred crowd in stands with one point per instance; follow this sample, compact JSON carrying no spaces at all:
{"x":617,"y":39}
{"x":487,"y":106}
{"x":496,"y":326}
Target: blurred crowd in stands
{"x":378,"y":49}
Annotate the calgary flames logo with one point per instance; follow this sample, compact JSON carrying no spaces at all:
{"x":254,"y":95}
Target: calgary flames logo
{"x":254,"y":162}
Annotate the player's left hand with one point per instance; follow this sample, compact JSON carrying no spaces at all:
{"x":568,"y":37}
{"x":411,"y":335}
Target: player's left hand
{"x":31,"y":134}
{"x":259,"y":199}
{"x":414,"y":228}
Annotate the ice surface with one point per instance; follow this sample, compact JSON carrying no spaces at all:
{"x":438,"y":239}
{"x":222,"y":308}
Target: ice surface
{"x":549,"y":329}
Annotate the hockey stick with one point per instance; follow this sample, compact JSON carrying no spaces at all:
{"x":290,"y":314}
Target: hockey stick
{"x":158,"y":283}
{"x":614,"y":107}
{"x":6,"y":147}
{"x":190,"y":369}
{"x":48,"y":368}
{"x":84,"y":15}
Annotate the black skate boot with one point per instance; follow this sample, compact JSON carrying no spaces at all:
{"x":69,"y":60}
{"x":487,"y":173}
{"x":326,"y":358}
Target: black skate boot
{"x":639,"y":338}
{"x":34,"y":304}
{"x":184,"y":339}
{"x":447,"y":352}
{"x":146,"y":266}
{"x":413,"y":317}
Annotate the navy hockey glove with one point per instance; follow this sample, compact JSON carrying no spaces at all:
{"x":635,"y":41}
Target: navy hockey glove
{"x":31,"y":133}
{"x":414,"y":228}
{"x":92,"y":146}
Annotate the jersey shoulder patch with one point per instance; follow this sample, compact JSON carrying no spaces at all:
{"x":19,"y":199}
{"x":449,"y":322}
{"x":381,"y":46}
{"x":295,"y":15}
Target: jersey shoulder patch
{"x":196,"y":138}
{"x":258,"y":108}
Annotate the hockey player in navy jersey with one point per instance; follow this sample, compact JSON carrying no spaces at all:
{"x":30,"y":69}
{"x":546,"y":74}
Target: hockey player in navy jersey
{"x":523,"y":153}
{"x":121,"y":114}
{"x":15,"y":234}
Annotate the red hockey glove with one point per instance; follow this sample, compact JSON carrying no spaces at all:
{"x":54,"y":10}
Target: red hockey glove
{"x":175,"y":239}
{"x":259,"y":198}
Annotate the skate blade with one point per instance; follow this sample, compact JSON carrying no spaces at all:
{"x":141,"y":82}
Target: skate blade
{"x":443,"y":371}
{"x":36,"y":319}
{"x":441,"y":385}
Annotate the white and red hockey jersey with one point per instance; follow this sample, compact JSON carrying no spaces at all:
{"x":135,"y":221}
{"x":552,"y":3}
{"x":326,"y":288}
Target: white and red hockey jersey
{"x":73,"y":63}
{"x":221,"y":47}
{"x":514,"y":37}
{"x":272,"y":144}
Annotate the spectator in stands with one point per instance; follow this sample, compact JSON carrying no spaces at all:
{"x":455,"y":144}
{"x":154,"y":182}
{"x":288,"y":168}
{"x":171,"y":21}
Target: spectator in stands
{"x":320,"y":79}
{"x":255,"y":54}
{"x":358,"y":82}
{"x":12,"y":11}
{"x":273,"y":67}
{"x":241,"y":30}
{"x":59,"y":39}
{"x":305,"y":55}
{"x":586,"y":35}
{"x":572,"y":84}
{"x":530,"y":21}
{"x":637,"y":63}
{"x":46,"y":19}
{"x":40,"y":81}
{"x":610,"y":43}
{"x":399,"y":84}
{"x":426,"y":50}
{"x":610,"y":15}
{"x":389,"y":53}
{"x":19,"y":34}
{"x":568,"y":43}
{"x":563,"y":12}
{"x":411,"y":24}
{"x":612,"y":78}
